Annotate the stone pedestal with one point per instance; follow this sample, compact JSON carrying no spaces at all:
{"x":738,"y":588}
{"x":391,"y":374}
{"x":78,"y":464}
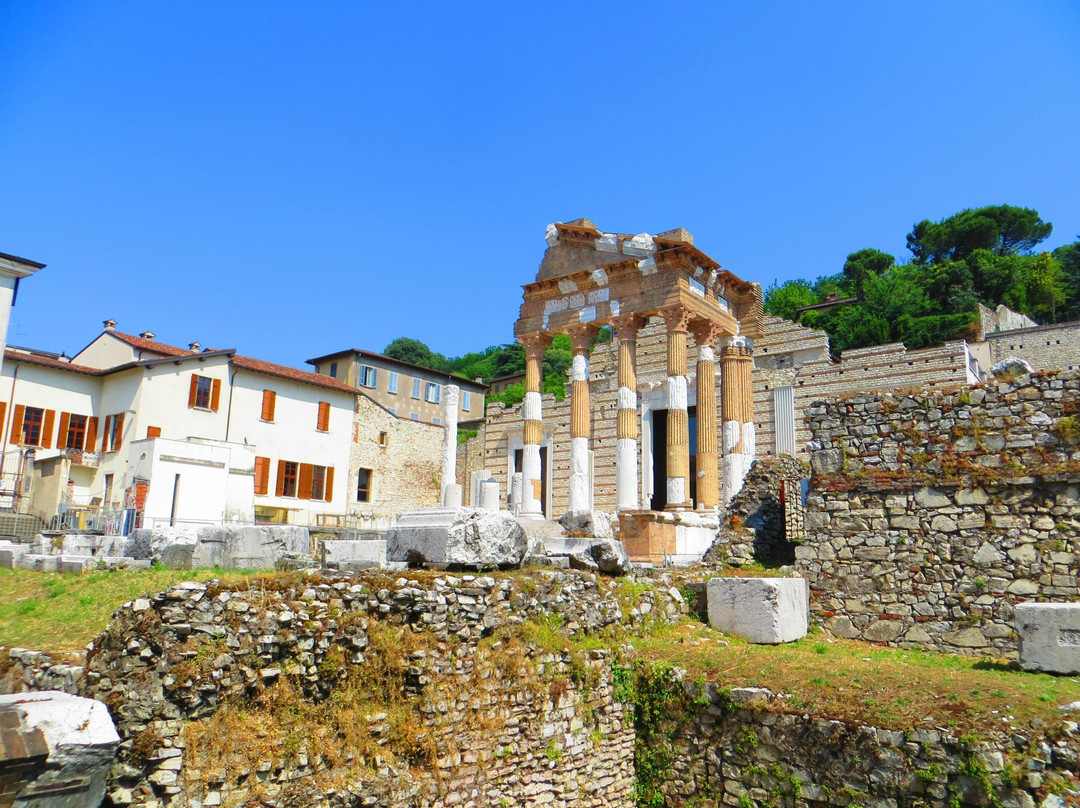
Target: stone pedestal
{"x":666,"y":538}
{"x":1049,"y":636}
{"x":767,"y":611}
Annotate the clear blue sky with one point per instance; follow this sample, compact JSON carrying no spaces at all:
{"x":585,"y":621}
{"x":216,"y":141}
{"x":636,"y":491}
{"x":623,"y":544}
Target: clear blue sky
{"x":296,"y":178}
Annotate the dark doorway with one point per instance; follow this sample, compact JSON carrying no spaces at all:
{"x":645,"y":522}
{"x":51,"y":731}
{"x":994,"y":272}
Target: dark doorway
{"x":659,"y":456}
{"x":519,"y":454}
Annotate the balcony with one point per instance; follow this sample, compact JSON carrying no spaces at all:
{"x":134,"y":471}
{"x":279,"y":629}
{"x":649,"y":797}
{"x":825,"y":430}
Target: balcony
{"x":81,"y":457}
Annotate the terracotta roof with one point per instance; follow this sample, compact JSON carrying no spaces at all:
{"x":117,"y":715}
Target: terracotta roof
{"x":284,"y":372}
{"x":46,"y":362}
{"x":144,"y":344}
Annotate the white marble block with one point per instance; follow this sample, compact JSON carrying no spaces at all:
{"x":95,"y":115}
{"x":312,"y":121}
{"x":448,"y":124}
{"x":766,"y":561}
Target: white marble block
{"x":1049,"y":636}
{"x":761,"y":610}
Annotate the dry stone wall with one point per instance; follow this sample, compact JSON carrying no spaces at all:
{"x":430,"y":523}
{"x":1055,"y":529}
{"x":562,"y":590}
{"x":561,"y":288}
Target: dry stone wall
{"x":930,"y":515}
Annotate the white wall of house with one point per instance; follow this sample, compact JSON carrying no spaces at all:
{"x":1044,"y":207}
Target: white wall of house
{"x":165,"y":390}
{"x":106,"y":351}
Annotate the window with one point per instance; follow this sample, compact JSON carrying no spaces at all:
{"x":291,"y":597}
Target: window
{"x":262,"y":475}
{"x":466,"y":401}
{"x":322,"y":420}
{"x":384,"y":439}
{"x":114,"y":432}
{"x":416,"y":388}
{"x":391,"y":383}
{"x":318,"y":482}
{"x":333,"y":369}
{"x":368,"y":376}
{"x":205,"y":393}
{"x":391,"y":410}
{"x":437,"y":421}
{"x":33,"y":420}
{"x":72,"y":431}
{"x":415,"y":416}
{"x":432,"y":392}
{"x":363,"y":485}
{"x":108,"y":489}
{"x":288,"y":474}
{"x":269,"y":404}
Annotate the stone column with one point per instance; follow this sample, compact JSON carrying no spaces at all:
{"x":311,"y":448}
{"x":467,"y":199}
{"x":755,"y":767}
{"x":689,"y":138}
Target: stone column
{"x":678,"y":425}
{"x":451,"y":491}
{"x":708,"y":483}
{"x":580,"y":418}
{"x":531,"y":506}
{"x":626,"y":435}
{"x":737,"y":412}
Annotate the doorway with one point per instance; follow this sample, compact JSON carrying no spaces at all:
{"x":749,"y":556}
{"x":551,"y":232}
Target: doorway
{"x":659,"y":458}
{"x":519,"y":454}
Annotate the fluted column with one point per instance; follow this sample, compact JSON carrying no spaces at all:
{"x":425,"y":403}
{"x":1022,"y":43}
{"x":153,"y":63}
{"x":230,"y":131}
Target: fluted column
{"x":737,"y":412}
{"x":580,"y":417}
{"x":626,"y":434}
{"x":678,"y":422}
{"x":531,"y":506}
{"x":708,"y":483}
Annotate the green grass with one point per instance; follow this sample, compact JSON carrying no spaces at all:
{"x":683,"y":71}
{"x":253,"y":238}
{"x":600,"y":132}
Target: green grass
{"x":59,"y":613}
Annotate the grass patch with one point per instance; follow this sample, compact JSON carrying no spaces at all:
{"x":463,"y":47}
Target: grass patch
{"x":63,"y":612}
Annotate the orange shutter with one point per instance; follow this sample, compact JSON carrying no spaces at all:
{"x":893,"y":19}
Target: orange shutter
{"x":91,"y":433}
{"x":105,"y":434}
{"x":153,"y":432}
{"x":47,"y":429}
{"x":62,"y":434}
{"x":303,"y":487}
{"x":280,"y":477}
{"x":329,"y":483}
{"x":3,"y":417}
{"x":16,"y":424}
{"x":269,"y":400}
{"x":215,"y":395}
{"x":323,"y":423}
{"x":262,"y":474}
{"x":194,"y":391}
{"x":119,"y":431}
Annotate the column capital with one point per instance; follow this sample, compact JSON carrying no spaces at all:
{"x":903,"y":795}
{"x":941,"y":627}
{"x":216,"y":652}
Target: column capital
{"x":706,"y":332}
{"x":734,"y":346}
{"x":677,"y":318}
{"x":581,"y":337}
{"x":535,"y":344}
{"x":626,"y":326}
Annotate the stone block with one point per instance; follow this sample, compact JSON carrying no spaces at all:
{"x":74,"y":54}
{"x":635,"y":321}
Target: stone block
{"x":761,"y":610}
{"x":10,"y":554}
{"x":1049,"y":636}
{"x":81,"y":741}
{"x":350,"y":555}
{"x":37,"y":562}
{"x":76,"y":564}
{"x":587,"y":523}
{"x":229,"y":547}
{"x":469,"y":537}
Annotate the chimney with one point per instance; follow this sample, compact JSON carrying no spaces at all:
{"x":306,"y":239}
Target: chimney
{"x":147,"y":335}
{"x":194,"y":346}
{"x":110,"y":325}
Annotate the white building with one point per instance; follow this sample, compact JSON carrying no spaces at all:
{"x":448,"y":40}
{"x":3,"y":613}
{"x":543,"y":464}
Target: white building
{"x":173,"y":435}
{"x":12,"y":270}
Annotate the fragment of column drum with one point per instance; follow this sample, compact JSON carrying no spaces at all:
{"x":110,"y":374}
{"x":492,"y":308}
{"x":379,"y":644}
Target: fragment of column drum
{"x":762,"y":610}
{"x":470,"y":537}
{"x":1049,"y":636}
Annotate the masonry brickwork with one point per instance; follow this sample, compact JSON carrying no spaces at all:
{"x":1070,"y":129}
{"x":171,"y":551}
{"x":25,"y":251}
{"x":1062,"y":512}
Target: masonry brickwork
{"x":1046,"y":347}
{"x":404,"y":459}
{"x":930,"y":515}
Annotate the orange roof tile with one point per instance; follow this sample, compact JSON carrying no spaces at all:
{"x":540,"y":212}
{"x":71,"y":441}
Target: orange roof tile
{"x":284,"y":372}
{"x":144,"y":344}
{"x":44,"y":361}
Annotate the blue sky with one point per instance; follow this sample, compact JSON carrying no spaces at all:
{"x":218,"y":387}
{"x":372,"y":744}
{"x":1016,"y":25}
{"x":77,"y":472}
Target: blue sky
{"x":292,"y":179}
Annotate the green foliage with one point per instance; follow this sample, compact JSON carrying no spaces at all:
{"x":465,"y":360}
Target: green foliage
{"x":782,"y":300}
{"x":416,"y":352}
{"x":1005,"y":229}
{"x":865,"y":264}
{"x":1045,"y":283}
{"x":1069,"y":259}
{"x":464,"y":435}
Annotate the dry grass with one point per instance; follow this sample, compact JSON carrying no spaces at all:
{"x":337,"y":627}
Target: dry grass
{"x":859,"y":682}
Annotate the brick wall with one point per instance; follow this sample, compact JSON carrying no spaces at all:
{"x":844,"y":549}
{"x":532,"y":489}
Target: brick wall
{"x":1046,"y":347}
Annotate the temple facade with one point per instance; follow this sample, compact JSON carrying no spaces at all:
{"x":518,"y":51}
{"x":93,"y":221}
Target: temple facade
{"x":589,"y":279}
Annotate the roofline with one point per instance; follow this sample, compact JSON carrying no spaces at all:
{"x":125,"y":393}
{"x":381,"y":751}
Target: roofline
{"x":330,"y":384}
{"x":383,"y":357}
{"x":35,"y":264}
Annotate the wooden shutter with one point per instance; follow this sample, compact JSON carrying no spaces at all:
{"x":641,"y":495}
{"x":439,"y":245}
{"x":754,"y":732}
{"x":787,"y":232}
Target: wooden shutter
{"x":329,"y":494}
{"x":105,"y":434}
{"x":91,"y":433}
{"x":215,"y":395}
{"x":47,"y":429}
{"x":269,"y":400}
{"x":280,"y":477}
{"x":323,"y":422}
{"x":62,"y":433}
{"x":3,"y":417}
{"x":303,"y":486}
{"x":153,"y":432}
{"x":119,"y":431}
{"x":193,"y":392}
{"x":16,"y":424}
{"x":262,"y":474}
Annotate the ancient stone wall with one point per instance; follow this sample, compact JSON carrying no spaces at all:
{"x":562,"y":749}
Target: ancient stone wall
{"x":1046,"y":347}
{"x":931,"y":514}
{"x":24,"y":670}
{"x":405,"y":461}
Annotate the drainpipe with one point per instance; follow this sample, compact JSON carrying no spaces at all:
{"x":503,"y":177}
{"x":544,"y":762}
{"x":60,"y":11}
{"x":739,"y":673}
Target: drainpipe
{"x":228,"y":410}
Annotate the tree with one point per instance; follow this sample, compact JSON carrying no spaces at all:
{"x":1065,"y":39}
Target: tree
{"x":784,"y":299}
{"x":1005,"y":229}
{"x":1068,"y":257}
{"x":865,"y":264}
{"x":406,"y":349}
{"x":1045,"y":286}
